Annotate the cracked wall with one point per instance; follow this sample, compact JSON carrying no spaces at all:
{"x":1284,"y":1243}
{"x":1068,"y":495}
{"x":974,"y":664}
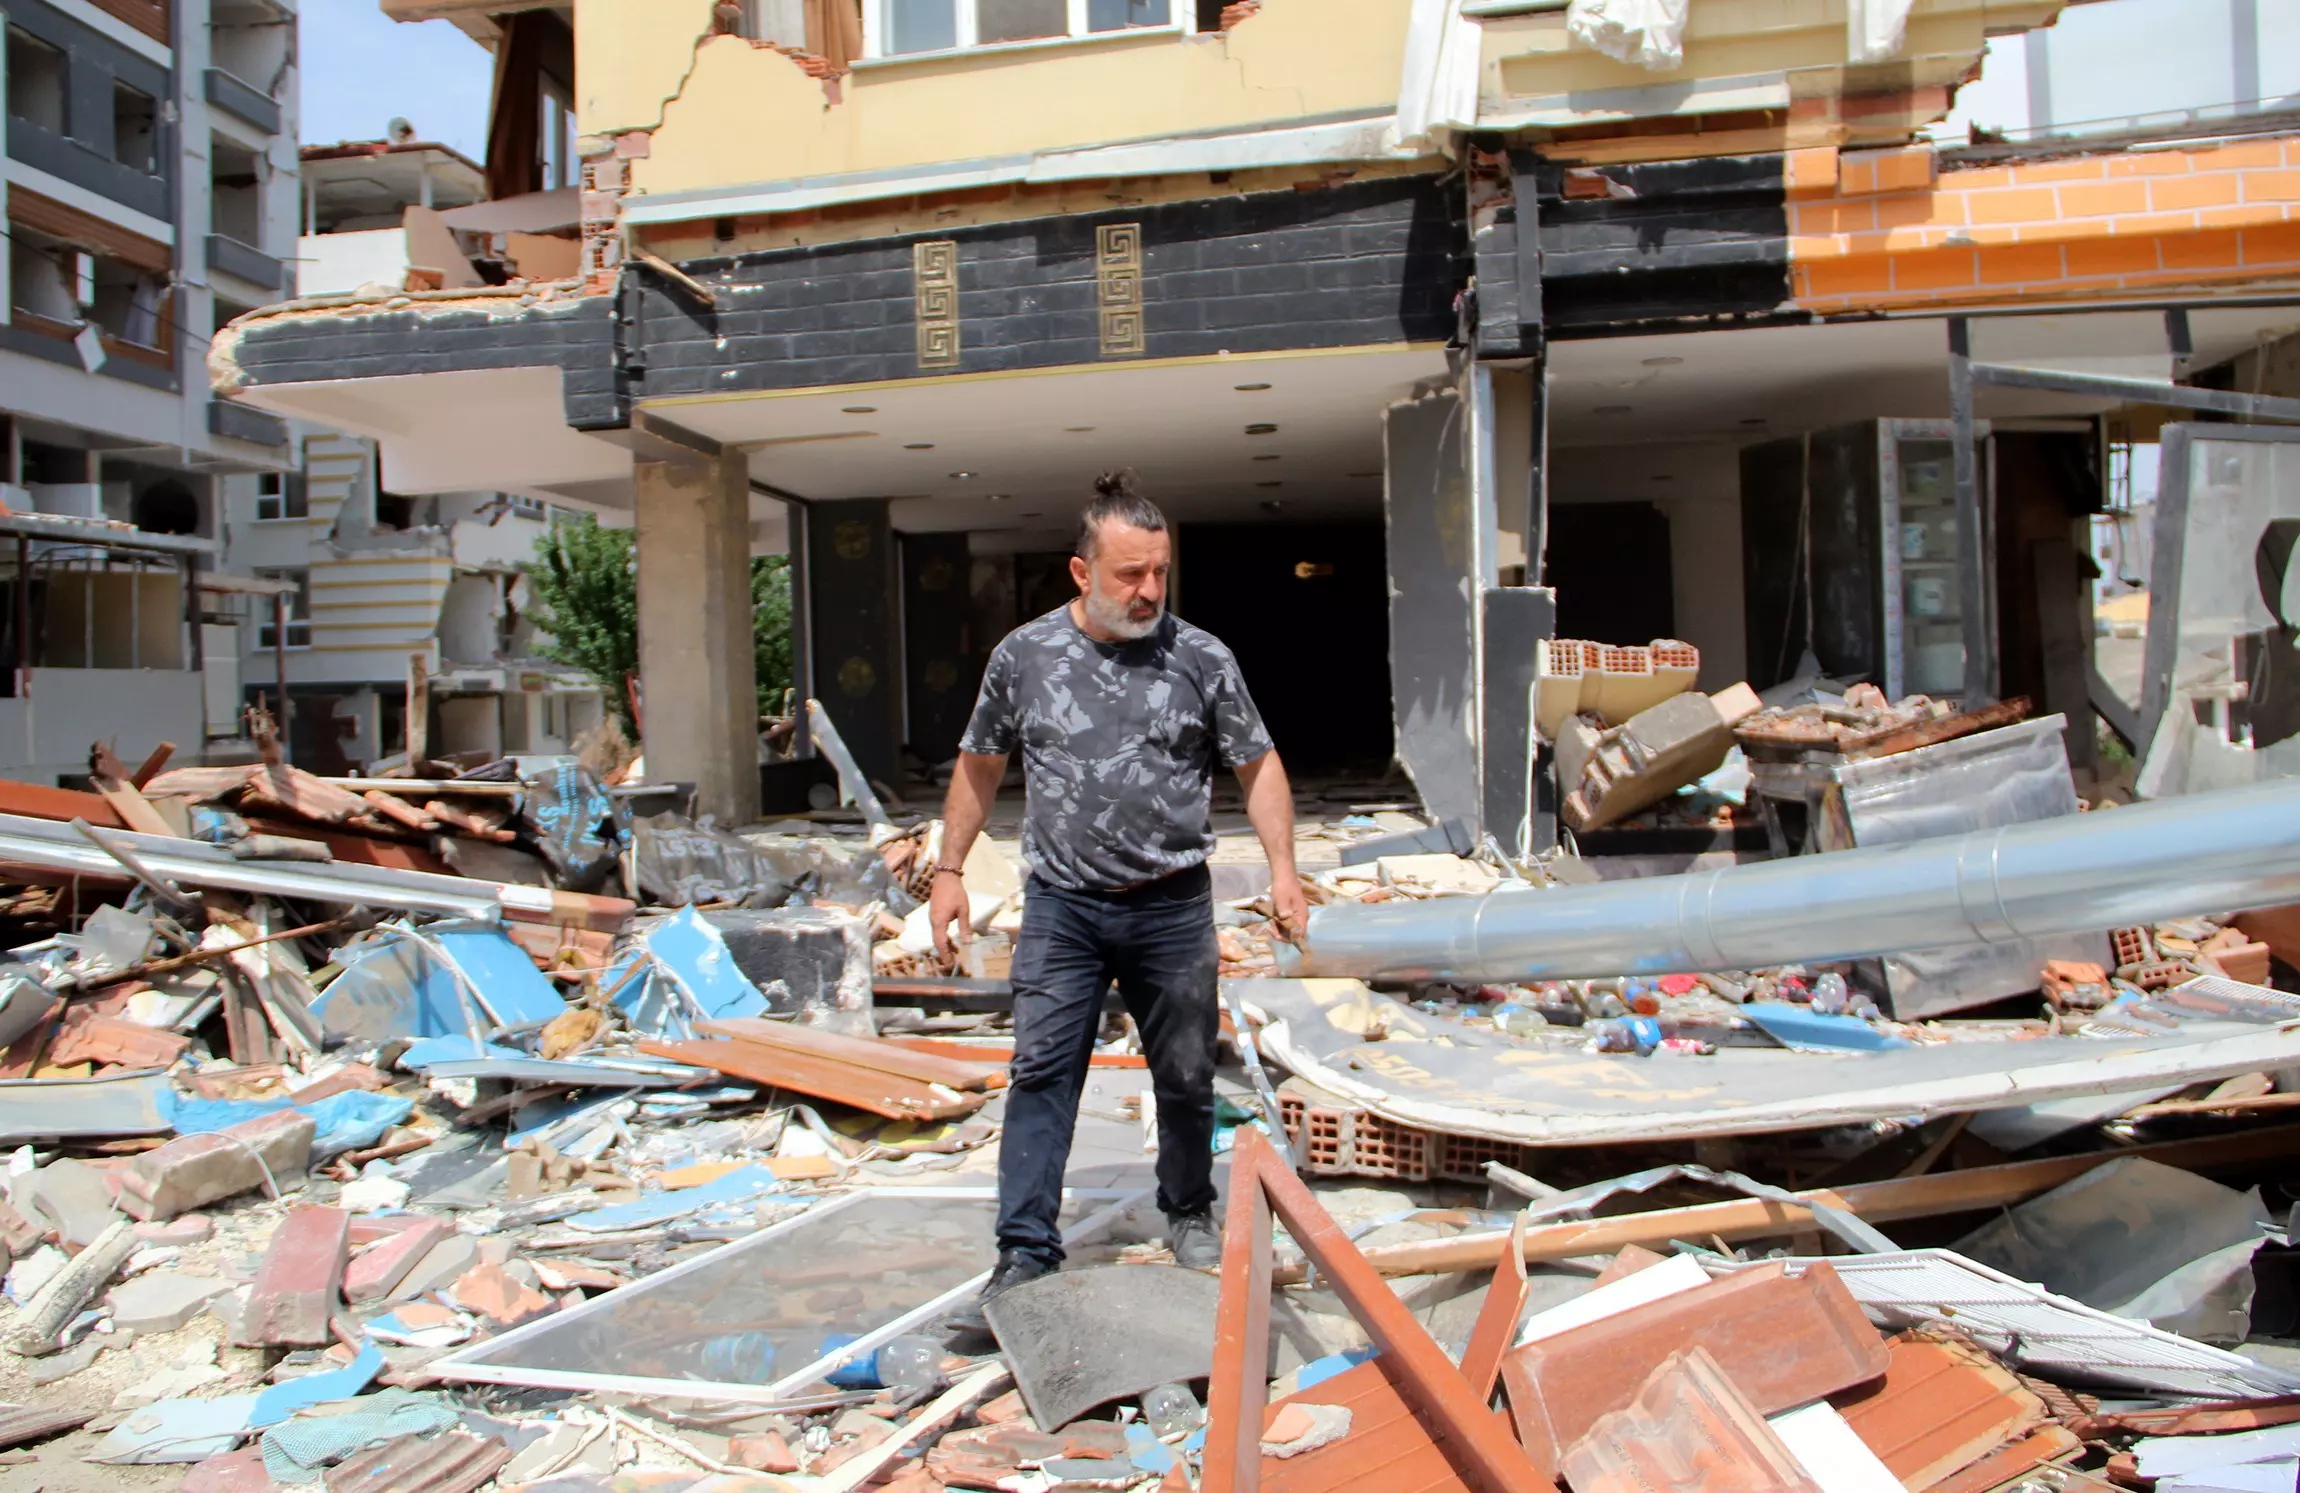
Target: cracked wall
{"x":725,"y":112}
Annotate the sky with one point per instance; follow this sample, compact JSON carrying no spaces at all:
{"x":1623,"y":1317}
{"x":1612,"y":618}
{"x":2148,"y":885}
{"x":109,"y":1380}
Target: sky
{"x":361,"y":69}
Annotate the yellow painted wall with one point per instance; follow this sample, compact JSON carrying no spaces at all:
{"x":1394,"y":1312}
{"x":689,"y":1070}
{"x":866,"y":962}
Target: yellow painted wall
{"x":748,"y":114}
{"x":631,"y":56}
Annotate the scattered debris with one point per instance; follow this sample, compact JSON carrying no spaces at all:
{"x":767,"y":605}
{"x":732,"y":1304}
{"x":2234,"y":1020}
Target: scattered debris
{"x":337,"y":1168}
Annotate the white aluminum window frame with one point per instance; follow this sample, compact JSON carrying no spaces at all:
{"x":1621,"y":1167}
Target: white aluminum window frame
{"x":459,"y":1365}
{"x":294,"y":492}
{"x":298,"y":610}
{"x":878,"y":27}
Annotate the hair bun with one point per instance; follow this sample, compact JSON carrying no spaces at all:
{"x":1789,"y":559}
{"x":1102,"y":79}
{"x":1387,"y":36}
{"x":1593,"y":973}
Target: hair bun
{"x":1115,"y":484}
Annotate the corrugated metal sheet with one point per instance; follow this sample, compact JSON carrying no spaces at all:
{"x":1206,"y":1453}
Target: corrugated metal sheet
{"x":22,"y":1423}
{"x":2048,"y":1334}
{"x":457,"y":1462}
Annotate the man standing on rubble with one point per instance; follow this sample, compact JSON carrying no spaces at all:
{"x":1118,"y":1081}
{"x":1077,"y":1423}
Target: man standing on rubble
{"x":1120,"y":710}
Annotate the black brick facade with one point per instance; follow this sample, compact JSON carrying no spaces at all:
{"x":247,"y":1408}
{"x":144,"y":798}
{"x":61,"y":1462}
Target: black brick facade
{"x":1362,"y":264}
{"x":1702,"y":238}
{"x":577,"y":337}
{"x":1347,"y":267}
{"x":1358,"y":265}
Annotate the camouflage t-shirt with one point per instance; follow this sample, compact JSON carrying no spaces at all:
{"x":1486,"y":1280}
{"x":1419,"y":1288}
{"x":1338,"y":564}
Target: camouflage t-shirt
{"x":1118,"y":745}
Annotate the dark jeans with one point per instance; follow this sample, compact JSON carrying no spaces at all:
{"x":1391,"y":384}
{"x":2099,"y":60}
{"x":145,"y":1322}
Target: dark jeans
{"x":1157,"y":942}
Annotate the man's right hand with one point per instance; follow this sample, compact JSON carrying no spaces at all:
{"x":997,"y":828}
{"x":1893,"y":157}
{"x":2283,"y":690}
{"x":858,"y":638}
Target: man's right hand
{"x":947,"y":904}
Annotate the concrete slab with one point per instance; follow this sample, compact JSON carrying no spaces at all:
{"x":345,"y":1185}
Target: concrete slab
{"x":163,"y":1300}
{"x":439,"y":1268}
{"x":75,"y":1199}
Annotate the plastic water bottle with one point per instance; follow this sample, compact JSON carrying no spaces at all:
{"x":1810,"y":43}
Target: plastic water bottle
{"x":1638,"y":1034}
{"x":900,"y":1363}
{"x":1172,"y":1410}
{"x":1829,"y":995}
{"x":911,"y":1365}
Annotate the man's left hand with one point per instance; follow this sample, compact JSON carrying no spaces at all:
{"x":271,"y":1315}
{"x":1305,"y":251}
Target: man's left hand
{"x":1289,"y":909}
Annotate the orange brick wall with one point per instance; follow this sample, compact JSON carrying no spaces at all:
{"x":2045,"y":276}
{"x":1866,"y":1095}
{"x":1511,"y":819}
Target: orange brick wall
{"x":1880,"y":231}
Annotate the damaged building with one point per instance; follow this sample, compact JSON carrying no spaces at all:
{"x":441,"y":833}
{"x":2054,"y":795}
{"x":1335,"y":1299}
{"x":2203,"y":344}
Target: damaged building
{"x":1447,"y":327}
{"x":150,"y":183}
{"x":396,"y":596}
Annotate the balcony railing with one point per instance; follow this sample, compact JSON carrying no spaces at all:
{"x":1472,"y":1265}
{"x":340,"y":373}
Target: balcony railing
{"x":243,"y":101}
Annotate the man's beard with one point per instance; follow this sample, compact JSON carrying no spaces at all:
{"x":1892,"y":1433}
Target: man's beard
{"x":1113,"y":617}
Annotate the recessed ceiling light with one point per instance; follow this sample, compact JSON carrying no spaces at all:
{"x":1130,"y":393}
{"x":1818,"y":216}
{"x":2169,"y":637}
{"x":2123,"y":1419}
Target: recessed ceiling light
{"x":1661,"y":477}
{"x":962,"y":476}
{"x":1612,"y":409}
{"x":1034,"y":515}
{"x":1077,"y":429}
{"x":1269,"y":484}
{"x":860,"y":409}
{"x":999,"y":497}
{"x":1662,"y":362}
{"x":1261,"y":430}
{"x":1364,"y":474}
{"x":1759,"y":420}
{"x":1273,"y":456}
{"x":919,"y":446}
{"x":1252,"y":388}
{"x":1272,"y":505}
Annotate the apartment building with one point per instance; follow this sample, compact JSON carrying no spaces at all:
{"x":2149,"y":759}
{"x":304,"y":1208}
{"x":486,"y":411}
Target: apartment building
{"x":387,"y":583}
{"x":149,"y":172}
{"x":1440,"y":327}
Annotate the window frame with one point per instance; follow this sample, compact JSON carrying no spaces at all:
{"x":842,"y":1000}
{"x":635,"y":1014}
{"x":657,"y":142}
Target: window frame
{"x":878,"y":28}
{"x":150,"y":165}
{"x":299,"y":609}
{"x":292,"y":498}
{"x":58,"y":58}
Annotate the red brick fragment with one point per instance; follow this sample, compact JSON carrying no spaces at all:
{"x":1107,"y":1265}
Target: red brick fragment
{"x":86,"y":1037}
{"x":296,"y":1288}
{"x":373,"y":1274}
{"x":491,"y":1291}
{"x":765,"y":1452}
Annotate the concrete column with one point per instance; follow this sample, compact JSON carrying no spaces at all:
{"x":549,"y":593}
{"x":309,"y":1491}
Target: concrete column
{"x":696,"y":666}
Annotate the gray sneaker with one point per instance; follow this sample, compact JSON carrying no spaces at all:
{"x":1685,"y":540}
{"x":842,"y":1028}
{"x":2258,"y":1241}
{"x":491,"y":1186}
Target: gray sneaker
{"x":1196,"y":1242}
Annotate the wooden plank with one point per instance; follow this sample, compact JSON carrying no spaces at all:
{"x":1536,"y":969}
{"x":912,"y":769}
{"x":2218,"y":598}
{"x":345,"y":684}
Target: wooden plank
{"x":39,"y":801}
{"x":865,"y":1052}
{"x":1877,"y":1202}
{"x":886,"y":1094}
{"x":1496,"y":1330}
{"x":1481,"y":1448}
{"x":153,"y":765}
{"x":109,"y":778}
{"x":1238,"y":1390}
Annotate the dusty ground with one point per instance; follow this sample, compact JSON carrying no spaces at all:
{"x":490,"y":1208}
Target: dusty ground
{"x":57,"y":1465}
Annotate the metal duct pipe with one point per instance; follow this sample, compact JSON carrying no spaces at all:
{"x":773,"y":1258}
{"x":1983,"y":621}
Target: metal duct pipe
{"x":2205,"y":853}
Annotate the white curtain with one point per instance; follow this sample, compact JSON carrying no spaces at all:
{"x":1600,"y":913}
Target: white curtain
{"x":1649,"y":33}
{"x":1874,"y":29}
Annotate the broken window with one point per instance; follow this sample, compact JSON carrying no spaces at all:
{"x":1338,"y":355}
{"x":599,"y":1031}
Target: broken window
{"x":135,"y":128}
{"x":44,"y":276}
{"x":2221,"y":683}
{"x":236,"y":192}
{"x":35,"y":81}
{"x":903,"y":27}
{"x":780,"y":1308}
{"x":298,"y":610}
{"x":61,"y":285}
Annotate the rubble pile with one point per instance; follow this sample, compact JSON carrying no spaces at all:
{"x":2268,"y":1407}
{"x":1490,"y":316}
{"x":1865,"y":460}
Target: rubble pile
{"x":340,"y":1163}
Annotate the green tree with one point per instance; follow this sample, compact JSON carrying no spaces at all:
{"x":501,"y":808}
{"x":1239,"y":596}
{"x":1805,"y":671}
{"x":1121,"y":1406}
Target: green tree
{"x":584,"y":593}
{"x":583,"y":589}
{"x":771,"y":629}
